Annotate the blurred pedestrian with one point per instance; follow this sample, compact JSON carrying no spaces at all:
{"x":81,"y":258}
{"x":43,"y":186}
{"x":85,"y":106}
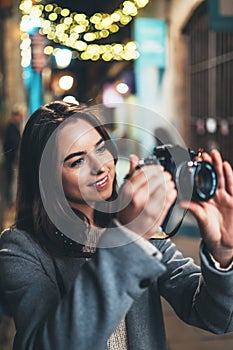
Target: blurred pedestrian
{"x":10,"y":154}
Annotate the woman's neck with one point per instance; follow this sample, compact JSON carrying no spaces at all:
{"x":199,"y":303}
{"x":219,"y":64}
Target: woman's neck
{"x":86,"y":210}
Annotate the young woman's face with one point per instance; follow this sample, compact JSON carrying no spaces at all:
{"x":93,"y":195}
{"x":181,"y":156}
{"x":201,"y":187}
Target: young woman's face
{"x":88,"y":169}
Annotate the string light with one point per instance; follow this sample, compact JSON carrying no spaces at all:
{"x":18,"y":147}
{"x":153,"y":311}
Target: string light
{"x":77,"y":31}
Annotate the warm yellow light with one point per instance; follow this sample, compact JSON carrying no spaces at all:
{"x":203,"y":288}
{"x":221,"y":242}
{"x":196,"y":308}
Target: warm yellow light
{"x":141,"y":3}
{"x":48,"y":50}
{"x":26,"y":6}
{"x":79,"y":17}
{"x":56,"y":50}
{"x":63,"y":58}
{"x":104,"y":33}
{"x":106,"y":22}
{"x":117,"y":57}
{"x":89,"y":36}
{"x":57,"y":10}
{"x":114,"y":28}
{"x":122,"y":88}
{"x":24,"y":23}
{"x":125,"y":19}
{"x":116,"y":16}
{"x":24,"y":36}
{"x":107,"y":56}
{"x":45,"y":24}
{"x":80,"y":45}
{"x":28,"y":23}
{"x":96,"y":18}
{"x":98,"y":26}
{"x":65,"y":12}
{"x":48,"y":8}
{"x":71,"y":99}
{"x":60,"y":28}
{"x":25,"y":44}
{"x":46,"y":31}
{"x":66,"y":82}
{"x":117,"y":48}
{"x":129,"y":8}
{"x":75,"y":26}
{"x":51,"y":36}
{"x":68,"y":20}
{"x":95,"y":57}
{"x":25,"y":18}
{"x":63,"y":37}
{"x":93,"y":49}
{"x":26,"y":61}
{"x":131,"y":46}
{"x":35,"y":12}
{"x":52,"y":16}
{"x":74,"y":36}
{"x":79,"y":28}
{"x":85,"y":55}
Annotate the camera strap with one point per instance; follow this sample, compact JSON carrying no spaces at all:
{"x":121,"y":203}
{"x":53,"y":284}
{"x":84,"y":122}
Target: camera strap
{"x":177,"y":227}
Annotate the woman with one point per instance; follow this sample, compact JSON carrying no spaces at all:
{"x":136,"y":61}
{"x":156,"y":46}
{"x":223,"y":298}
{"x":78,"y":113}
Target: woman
{"x":81,"y":269}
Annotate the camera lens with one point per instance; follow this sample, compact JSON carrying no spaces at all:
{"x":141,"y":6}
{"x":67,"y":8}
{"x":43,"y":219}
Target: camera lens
{"x":205,"y":181}
{"x":196,"y":181}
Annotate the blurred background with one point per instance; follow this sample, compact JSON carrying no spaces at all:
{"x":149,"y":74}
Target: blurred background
{"x":172,"y":58}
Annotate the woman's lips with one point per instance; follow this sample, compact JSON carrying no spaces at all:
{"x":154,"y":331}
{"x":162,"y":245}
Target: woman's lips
{"x":101,"y":183}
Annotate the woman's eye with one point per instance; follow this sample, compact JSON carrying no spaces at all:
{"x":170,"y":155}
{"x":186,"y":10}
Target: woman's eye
{"x":101,"y":149}
{"x":77,"y":162}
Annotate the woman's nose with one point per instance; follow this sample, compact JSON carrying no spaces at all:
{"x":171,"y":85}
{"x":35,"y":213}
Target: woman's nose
{"x":96,"y":166}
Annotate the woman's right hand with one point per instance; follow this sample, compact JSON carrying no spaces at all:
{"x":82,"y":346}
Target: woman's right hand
{"x":145,"y":198}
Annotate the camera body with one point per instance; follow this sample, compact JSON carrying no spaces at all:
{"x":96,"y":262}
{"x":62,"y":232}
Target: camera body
{"x":195,"y":180}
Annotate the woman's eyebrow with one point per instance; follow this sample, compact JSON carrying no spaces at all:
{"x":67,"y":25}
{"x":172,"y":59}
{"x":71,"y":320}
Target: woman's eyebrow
{"x":99,"y":142}
{"x":72,"y":155}
{"x":81,"y":153}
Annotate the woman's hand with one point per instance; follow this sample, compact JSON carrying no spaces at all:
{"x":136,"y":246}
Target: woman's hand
{"x":215,"y":217}
{"x":145,"y":198}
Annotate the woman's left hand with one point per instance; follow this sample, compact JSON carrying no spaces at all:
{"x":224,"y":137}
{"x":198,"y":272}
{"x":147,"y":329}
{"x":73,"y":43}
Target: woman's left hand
{"x":215,"y":217}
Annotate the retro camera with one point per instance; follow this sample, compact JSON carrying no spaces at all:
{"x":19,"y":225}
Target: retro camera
{"x":194,"y":179}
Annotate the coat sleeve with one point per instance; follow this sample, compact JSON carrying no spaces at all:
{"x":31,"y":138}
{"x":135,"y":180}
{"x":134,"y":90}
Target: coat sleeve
{"x":202,"y":296}
{"x":102,"y":293}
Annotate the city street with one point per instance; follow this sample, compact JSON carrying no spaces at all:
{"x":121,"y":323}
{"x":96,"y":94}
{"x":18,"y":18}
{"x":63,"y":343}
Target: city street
{"x":151,"y":79}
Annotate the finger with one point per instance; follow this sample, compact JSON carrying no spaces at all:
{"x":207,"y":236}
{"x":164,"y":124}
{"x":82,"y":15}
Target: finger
{"x":137,"y":181}
{"x":133,"y":162}
{"x":148,"y":178}
{"x":206,"y":157}
{"x":218,"y":165}
{"x":146,"y":181}
{"x":228,"y":177}
{"x":195,"y":208}
{"x":142,"y":182}
{"x":163,"y":190}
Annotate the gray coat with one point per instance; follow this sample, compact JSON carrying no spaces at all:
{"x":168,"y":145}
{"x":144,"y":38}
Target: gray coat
{"x":78,"y":304}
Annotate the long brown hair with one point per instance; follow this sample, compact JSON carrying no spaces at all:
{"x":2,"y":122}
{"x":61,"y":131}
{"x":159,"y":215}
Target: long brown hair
{"x":31,"y":215}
